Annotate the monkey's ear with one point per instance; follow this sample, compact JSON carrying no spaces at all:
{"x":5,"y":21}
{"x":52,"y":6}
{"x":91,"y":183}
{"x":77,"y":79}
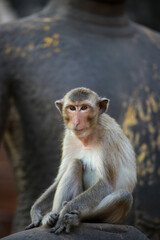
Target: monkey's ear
{"x":59,"y":104}
{"x":103,"y":104}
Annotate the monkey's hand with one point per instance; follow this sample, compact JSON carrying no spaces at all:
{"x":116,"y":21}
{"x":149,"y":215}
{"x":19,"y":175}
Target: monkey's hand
{"x":33,"y":225}
{"x":50,"y":219}
{"x":66,"y":222}
{"x":36,"y":219}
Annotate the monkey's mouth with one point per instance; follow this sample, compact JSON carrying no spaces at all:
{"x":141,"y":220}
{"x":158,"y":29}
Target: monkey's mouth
{"x":78,"y":131}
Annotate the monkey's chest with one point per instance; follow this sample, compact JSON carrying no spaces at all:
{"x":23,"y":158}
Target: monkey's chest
{"x":89,"y":177}
{"x":89,"y":169}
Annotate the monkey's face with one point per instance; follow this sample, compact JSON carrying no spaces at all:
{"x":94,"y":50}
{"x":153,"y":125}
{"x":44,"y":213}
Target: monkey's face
{"x":81,"y":109}
{"x":80,"y":117}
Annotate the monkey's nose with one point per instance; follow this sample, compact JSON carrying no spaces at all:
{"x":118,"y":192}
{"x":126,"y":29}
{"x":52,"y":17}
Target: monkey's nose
{"x":76,"y":127}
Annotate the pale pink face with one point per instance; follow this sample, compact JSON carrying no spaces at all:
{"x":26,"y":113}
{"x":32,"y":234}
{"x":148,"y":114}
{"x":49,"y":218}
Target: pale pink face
{"x":78,"y":116}
{"x":80,"y":109}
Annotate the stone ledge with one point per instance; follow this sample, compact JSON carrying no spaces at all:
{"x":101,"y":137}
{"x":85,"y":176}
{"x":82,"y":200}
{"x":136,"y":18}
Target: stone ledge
{"x":86,"y":231}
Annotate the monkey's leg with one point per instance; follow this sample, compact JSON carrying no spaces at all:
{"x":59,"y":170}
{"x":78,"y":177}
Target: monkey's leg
{"x":112,"y":208}
{"x":68,"y":188}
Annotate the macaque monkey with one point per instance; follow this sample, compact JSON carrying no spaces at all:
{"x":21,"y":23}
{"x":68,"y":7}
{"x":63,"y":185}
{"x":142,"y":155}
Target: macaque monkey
{"x":97,"y":173}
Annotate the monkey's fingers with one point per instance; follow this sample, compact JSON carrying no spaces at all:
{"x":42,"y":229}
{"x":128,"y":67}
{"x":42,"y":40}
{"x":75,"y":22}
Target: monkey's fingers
{"x":58,"y":229}
{"x":29,"y":226}
{"x":32,"y":225}
{"x":50,"y":219}
{"x":68,"y":227}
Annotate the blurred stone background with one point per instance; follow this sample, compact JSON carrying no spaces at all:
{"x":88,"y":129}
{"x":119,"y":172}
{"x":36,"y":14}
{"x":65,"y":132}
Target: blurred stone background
{"x":145,"y":12}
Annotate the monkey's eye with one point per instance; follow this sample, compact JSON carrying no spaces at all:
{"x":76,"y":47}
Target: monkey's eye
{"x":84,"y":107}
{"x":72,"y":108}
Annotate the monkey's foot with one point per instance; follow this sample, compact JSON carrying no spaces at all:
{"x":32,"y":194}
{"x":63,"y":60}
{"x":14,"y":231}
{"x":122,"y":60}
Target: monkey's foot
{"x":50,"y":219}
{"x":72,"y":218}
{"x":33,"y":225}
{"x":69,"y":219}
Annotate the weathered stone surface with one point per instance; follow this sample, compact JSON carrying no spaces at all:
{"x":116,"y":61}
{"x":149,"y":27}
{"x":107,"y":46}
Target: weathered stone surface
{"x":85,"y":231}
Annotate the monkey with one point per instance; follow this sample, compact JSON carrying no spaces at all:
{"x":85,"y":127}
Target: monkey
{"x":97,"y":174}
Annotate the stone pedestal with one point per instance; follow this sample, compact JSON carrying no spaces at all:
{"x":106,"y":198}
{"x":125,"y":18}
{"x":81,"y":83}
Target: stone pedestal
{"x":85,"y":231}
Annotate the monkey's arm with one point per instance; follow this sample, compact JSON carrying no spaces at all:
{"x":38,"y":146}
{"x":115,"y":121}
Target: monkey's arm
{"x":44,"y":202}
